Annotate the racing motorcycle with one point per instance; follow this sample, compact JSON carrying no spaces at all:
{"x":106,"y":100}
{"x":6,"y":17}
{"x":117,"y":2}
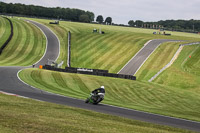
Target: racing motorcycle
{"x":95,"y":98}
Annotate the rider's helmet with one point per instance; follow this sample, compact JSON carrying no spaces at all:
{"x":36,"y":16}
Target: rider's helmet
{"x":102,"y":87}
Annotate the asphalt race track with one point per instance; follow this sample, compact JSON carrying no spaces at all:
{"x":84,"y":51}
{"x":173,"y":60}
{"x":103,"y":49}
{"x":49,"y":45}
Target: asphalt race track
{"x":10,"y":83}
{"x":137,"y":61}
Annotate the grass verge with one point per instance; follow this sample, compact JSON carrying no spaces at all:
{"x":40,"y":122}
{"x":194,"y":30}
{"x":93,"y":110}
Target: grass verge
{"x":21,"y":115}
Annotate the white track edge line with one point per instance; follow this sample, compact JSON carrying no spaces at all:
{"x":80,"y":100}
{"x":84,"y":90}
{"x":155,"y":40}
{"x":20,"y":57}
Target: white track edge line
{"x":46,"y":41}
{"x":147,"y":59}
{"x":150,"y":55}
{"x":135,"y":55}
{"x":103,"y":104}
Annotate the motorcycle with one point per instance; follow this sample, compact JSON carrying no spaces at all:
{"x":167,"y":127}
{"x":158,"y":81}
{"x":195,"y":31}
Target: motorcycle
{"x":95,"y":98}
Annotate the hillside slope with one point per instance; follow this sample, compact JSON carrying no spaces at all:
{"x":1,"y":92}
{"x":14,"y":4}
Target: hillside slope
{"x":26,"y":47}
{"x":111,"y":50}
{"x":4,"y":30}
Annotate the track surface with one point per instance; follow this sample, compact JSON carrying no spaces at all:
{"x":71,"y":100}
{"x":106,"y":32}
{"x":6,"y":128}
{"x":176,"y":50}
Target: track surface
{"x":10,"y":83}
{"x":137,"y":61}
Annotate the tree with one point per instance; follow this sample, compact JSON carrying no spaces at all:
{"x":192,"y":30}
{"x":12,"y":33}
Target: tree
{"x":39,"y":11}
{"x":139,"y":23}
{"x":99,"y":19}
{"x":131,"y":23}
{"x":84,"y":18}
{"x":90,"y":15}
{"x":108,"y":20}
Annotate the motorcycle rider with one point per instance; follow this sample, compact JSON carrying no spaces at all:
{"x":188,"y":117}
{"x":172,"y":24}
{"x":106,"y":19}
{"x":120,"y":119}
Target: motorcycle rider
{"x":99,"y":93}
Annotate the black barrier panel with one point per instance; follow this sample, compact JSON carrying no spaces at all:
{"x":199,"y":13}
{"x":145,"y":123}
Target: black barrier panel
{"x":70,"y":68}
{"x":100,"y":71}
{"x":86,"y":69}
{"x":89,"y":72}
{"x":121,"y":76}
{"x":133,"y":78}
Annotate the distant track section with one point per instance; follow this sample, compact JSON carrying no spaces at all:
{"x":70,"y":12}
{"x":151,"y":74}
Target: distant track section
{"x":173,"y":59}
{"x":53,"y":45}
{"x":138,"y":60}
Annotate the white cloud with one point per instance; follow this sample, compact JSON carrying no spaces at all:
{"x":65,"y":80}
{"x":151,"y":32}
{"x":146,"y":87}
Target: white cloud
{"x":123,"y":11}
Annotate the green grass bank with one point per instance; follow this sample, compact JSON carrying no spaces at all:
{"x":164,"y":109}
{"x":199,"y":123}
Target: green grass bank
{"x":5,"y":29}
{"x":26,"y":47}
{"x":19,"y":115}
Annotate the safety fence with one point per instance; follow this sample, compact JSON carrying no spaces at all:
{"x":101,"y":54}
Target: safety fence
{"x":10,"y":37}
{"x":69,"y":50}
{"x":97,"y":72}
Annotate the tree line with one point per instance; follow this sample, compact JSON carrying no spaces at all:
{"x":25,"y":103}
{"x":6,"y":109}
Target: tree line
{"x":39,"y":11}
{"x":100,"y":20}
{"x":173,"y":25}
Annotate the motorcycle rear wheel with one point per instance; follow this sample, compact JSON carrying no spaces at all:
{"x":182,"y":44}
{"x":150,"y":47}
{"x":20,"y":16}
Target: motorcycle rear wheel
{"x":87,"y":100}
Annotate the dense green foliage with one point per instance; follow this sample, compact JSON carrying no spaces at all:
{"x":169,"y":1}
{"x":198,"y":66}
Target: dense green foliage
{"x":4,"y":30}
{"x":173,"y":25}
{"x":26,"y":47}
{"x":99,"y":19}
{"x":39,"y":11}
{"x":21,"y":115}
{"x":120,"y":92}
{"x":108,"y":20}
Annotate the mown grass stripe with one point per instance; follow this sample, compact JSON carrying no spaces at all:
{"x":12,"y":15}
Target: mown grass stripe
{"x":26,"y":59}
{"x":10,"y":50}
{"x":101,"y":49}
{"x":2,"y":27}
{"x":5,"y":30}
{"x":92,"y":50}
{"x":26,"y":47}
{"x":115,"y":54}
{"x":21,"y":48}
{"x":117,"y":50}
{"x":70,"y":28}
{"x":60,"y":82}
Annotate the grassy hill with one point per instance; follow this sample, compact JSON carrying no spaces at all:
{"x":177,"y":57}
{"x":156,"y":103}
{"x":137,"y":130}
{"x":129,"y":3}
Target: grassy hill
{"x":111,"y":50}
{"x":19,"y":115}
{"x":26,"y":47}
{"x":4,"y":30}
{"x":104,"y":51}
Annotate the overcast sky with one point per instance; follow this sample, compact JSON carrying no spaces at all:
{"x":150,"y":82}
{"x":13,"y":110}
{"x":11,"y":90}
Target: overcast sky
{"x":122,"y":11}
